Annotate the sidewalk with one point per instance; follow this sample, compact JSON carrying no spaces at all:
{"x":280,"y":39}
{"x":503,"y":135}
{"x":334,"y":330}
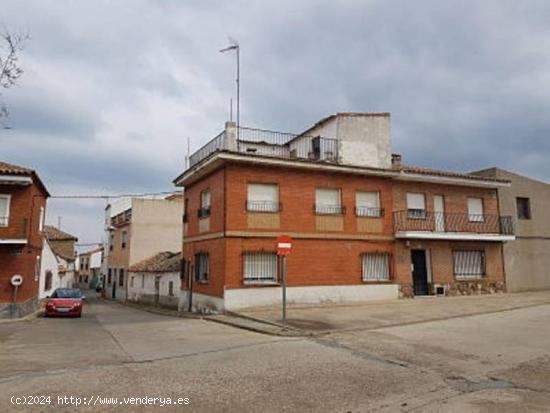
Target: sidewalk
{"x":320,"y":319}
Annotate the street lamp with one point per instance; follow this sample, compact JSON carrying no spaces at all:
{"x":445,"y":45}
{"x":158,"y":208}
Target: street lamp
{"x":235,"y":46}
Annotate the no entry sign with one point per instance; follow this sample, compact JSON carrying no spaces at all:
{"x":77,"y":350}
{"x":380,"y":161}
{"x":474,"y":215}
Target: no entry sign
{"x":284,"y":245}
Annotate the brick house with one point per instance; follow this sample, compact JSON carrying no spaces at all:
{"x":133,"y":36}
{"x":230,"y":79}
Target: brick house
{"x":334,"y":189}
{"x":22,"y":209}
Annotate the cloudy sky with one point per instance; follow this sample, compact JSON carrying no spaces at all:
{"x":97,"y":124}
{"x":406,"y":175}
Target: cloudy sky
{"x":113,"y":89}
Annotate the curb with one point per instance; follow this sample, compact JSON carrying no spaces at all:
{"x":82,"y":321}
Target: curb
{"x":289,"y":332}
{"x":29,"y":317}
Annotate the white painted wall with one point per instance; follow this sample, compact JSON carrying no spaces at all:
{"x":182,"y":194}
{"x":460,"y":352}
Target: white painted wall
{"x":253,"y":297}
{"x":95,"y":260}
{"x":52,"y":262}
{"x":143,"y":286}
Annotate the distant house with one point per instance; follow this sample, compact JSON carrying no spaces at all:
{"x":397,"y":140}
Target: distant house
{"x":135,"y":230}
{"x":527,"y":201}
{"x":89,"y":267}
{"x":156,"y":280}
{"x":57,"y":266}
{"x":22,"y":209}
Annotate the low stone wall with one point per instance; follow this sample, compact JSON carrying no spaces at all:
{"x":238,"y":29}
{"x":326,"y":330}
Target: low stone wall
{"x":462,"y":287}
{"x":164,"y":301}
{"x":18,"y":310}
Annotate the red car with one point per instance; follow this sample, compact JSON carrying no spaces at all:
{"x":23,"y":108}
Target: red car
{"x":66,"y":302}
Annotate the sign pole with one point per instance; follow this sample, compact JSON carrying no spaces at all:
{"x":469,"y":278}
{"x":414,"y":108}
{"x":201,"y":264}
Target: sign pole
{"x":283,"y":283}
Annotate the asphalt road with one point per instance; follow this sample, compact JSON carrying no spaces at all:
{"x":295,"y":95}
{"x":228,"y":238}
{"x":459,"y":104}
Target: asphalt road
{"x":498,"y":362}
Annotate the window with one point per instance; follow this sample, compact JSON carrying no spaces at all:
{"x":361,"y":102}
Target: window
{"x":111,"y":241}
{"x":202,"y":267}
{"x":367,"y":204}
{"x":376,"y":266}
{"x":260,"y":267}
{"x":142,"y":280}
{"x":328,"y":201}
{"x":416,"y":206}
{"x":185,"y":209}
{"x":523,"y":207}
{"x":132,"y":281}
{"x":41,"y":220}
{"x":4,"y":210}
{"x":475,"y":209}
{"x":263,"y":198}
{"x":204,"y":210}
{"x":171,"y":288}
{"x":109,"y":275}
{"x":469,"y":263}
{"x":48,"y":281}
{"x":121,"y":277}
{"x":124,"y":239}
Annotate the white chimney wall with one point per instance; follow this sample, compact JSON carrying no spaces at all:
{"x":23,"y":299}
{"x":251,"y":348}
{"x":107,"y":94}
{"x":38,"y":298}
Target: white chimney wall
{"x":364,"y":139}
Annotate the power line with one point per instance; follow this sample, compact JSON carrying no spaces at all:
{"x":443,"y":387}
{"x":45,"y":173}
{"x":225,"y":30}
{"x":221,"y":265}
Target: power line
{"x":111,"y":196}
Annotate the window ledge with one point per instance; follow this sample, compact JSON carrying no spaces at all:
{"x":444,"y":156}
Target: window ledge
{"x":262,"y":283}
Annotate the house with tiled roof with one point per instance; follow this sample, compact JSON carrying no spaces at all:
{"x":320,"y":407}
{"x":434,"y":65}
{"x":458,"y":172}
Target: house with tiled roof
{"x":156,"y":280}
{"x":22,"y":209}
{"x":363,"y":225}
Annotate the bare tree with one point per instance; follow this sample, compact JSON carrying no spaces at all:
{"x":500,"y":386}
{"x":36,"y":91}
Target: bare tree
{"x":11,"y":44}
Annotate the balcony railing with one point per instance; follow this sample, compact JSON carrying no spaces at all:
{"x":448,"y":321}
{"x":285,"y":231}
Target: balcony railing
{"x":271,"y":143}
{"x":263,"y":206}
{"x":439,"y":222}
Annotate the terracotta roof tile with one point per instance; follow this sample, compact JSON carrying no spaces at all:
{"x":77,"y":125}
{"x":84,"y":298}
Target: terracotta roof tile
{"x":436,"y":172}
{"x":10,"y":169}
{"x":162,"y":262}
{"x":55,"y":234}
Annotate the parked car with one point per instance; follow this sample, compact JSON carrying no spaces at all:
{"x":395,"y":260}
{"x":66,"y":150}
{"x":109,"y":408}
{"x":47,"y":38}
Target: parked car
{"x":65,"y":302}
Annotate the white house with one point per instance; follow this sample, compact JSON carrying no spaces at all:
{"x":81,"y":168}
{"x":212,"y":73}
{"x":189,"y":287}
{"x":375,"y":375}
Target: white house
{"x":156,"y":280}
{"x":55,"y":271}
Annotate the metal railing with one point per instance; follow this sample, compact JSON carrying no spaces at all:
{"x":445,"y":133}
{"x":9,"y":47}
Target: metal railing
{"x":275,"y":144}
{"x":369,"y":212}
{"x":216,"y":144}
{"x":263,"y":206}
{"x":329,"y":209}
{"x":428,"y":221}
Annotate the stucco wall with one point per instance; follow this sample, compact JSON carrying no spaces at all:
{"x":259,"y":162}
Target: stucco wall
{"x":141,"y":288}
{"x":156,"y":226}
{"x":527,"y":259}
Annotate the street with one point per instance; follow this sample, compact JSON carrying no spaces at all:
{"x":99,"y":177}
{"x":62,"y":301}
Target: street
{"x":494,"y":362}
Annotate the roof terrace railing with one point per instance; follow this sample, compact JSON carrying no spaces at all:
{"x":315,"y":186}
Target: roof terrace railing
{"x":270,"y":143}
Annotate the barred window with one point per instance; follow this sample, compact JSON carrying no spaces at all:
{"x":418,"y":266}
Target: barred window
{"x":376,"y":266}
{"x":260,"y":267}
{"x":263,"y":198}
{"x":416,"y":205}
{"x":328,"y":201}
{"x":469,"y":263}
{"x":367,"y":204}
{"x":120,"y":277}
{"x":202,"y":267}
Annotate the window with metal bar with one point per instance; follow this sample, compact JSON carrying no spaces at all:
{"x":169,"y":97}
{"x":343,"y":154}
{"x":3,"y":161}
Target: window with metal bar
{"x":416,"y":206}
{"x":328,"y":201}
{"x":367,"y":204}
{"x":202,"y":267}
{"x":475,"y":210}
{"x":260,"y":267}
{"x":4,"y":210}
{"x":120,"y":277}
{"x":376,"y":266}
{"x":262,"y":198}
{"x":469,"y":263}
{"x":205,"y":209}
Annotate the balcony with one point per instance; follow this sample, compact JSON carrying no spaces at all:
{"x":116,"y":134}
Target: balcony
{"x":13,"y":231}
{"x":268,"y":143}
{"x":421,"y":224}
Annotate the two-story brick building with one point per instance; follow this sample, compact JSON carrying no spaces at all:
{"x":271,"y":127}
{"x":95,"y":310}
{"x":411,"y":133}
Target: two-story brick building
{"x":22,"y":208}
{"x":335,"y":190}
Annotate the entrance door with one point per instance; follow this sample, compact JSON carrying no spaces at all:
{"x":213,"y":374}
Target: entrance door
{"x":114,"y":288}
{"x":420,"y":272}
{"x":439,"y":213}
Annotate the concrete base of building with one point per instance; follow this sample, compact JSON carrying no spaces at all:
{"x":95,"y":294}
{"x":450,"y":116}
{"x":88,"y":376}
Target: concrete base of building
{"x":18,"y":310}
{"x":150,"y":299}
{"x":239,"y":298}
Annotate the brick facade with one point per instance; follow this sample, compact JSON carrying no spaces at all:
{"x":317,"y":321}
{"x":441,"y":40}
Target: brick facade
{"x":27,"y":206}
